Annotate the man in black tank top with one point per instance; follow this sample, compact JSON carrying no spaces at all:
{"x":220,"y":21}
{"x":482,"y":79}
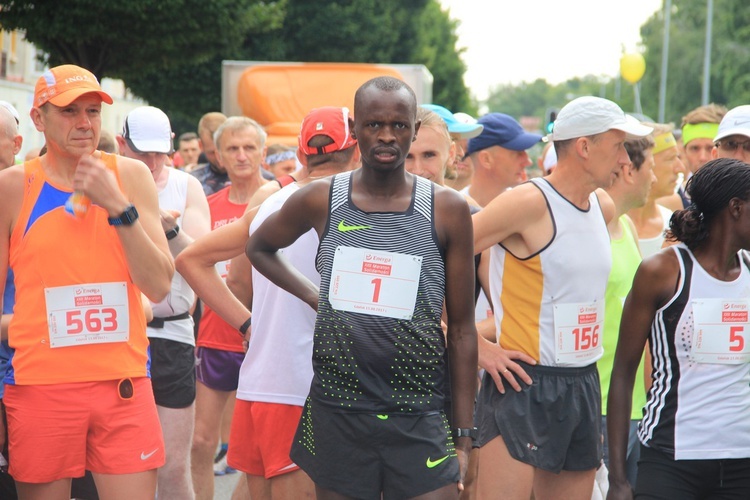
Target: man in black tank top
{"x":393,"y":250}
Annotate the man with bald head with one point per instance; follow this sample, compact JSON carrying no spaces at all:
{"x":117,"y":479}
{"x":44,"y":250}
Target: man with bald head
{"x":10,"y":139}
{"x":391,"y":244}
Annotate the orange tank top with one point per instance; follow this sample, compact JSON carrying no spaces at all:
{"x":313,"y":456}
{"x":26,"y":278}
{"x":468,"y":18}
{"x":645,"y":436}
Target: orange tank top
{"x":78,"y":316}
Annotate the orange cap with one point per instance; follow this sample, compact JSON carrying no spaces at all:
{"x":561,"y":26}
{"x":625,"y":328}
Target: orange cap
{"x":64,"y":84}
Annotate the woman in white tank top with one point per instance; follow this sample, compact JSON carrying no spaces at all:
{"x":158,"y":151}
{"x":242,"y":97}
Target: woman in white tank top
{"x":692,"y":305}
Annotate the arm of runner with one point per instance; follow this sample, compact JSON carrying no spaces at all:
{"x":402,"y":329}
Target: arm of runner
{"x":508,"y":214}
{"x":11,"y":197}
{"x":197,"y":264}
{"x":145,"y":246}
{"x":455,"y":223}
{"x":304,"y":210}
{"x":653,"y":284}
{"x":196,"y":221}
{"x":240,"y":277}
{"x":486,"y":327}
{"x":495,"y":360}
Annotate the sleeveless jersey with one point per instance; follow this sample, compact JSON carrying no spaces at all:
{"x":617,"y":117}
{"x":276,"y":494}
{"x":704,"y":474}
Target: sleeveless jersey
{"x":278,"y":365}
{"x":364,"y":362}
{"x":566,"y":276}
{"x":65,"y":270}
{"x":649,"y":246}
{"x":697,"y":410}
{"x":181,"y":297}
{"x":625,"y":261}
{"x":214,"y":332}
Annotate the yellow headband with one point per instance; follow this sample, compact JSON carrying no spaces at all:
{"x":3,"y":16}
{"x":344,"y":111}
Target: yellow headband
{"x":664,"y":142}
{"x":699,"y":131}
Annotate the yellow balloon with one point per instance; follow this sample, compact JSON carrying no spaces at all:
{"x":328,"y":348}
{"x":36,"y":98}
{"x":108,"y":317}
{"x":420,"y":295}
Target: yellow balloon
{"x":632,"y":67}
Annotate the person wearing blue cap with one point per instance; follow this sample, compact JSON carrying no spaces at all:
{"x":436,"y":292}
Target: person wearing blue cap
{"x":550,"y":260}
{"x":499,"y":156}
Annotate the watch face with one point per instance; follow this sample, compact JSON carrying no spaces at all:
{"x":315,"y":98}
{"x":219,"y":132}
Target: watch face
{"x":131,"y":214}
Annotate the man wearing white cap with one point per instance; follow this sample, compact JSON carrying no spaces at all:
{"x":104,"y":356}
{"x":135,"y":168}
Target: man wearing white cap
{"x":549,"y":268}
{"x":147,"y":136}
{"x":733,"y":137}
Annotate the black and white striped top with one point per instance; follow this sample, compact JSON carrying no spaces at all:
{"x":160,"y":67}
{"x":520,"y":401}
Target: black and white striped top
{"x":368,"y":363}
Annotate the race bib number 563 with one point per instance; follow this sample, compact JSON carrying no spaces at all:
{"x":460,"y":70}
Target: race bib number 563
{"x":92,"y":313}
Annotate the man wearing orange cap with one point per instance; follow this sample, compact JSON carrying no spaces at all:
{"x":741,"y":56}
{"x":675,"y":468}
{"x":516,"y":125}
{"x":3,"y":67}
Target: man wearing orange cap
{"x":78,"y":394}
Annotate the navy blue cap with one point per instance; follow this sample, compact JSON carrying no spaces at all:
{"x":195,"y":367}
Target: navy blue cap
{"x":504,"y":131}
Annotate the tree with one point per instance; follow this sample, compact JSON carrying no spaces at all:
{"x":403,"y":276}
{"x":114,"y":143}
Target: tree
{"x":730,"y":57}
{"x":177,"y":67}
{"x":372,"y":31}
{"x":120,"y":38}
{"x":534,"y":98}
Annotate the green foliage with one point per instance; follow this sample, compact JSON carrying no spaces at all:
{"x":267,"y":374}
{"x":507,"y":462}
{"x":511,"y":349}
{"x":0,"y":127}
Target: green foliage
{"x":730,"y":57}
{"x":119,"y":38}
{"x":382,"y":31}
{"x":534,"y":98}
{"x":436,"y":49}
{"x":169,"y":52}
{"x":730,"y":67}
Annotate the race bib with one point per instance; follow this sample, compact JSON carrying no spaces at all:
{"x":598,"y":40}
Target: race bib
{"x":93,"y":313}
{"x":374,"y":282}
{"x":578,"y":332}
{"x":720,"y":329}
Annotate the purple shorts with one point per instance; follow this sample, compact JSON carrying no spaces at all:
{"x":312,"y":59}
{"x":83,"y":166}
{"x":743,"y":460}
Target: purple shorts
{"x":218,"y":370}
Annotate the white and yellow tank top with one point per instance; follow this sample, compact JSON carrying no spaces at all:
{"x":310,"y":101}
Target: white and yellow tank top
{"x":550,"y":305}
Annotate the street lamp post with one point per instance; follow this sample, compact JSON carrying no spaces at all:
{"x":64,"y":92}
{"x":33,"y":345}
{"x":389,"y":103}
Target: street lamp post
{"x":664,"y":60}
{"x":707,"y":55}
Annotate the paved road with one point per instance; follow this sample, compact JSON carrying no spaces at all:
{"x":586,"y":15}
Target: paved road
{"x":224,"y":485}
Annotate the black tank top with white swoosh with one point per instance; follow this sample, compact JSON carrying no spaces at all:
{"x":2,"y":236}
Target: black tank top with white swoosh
{"x":368,"y":363}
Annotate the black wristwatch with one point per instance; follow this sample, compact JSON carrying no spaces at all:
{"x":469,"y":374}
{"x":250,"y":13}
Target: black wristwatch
{"x":127,"y":218}
{"x":172,"y":233}
{"x":470,"y":432}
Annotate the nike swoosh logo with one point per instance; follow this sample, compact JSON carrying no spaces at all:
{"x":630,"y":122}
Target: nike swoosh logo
{"x":383,"y":417}
{"x":434,"y":463}
{"x":146,"y":456}
{"x":344,"y":228}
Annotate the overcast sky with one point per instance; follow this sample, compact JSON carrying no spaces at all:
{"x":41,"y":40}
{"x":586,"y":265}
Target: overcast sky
{"x":522,"y":40}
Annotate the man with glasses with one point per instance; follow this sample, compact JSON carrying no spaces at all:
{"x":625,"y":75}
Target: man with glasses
{"x":733,"y":138}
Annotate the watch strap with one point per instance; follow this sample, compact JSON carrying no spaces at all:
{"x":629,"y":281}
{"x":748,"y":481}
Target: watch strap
{"x":470,"y":432}
{"x":127,"y":218}
{"x":172,"y":233}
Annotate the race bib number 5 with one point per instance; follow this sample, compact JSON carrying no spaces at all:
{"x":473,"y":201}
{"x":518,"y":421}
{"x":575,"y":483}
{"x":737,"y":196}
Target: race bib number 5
{"x":93,"y":313}
{"x":578,"y":332}
{"x":374,"y":282}
{"x":720,"y":329}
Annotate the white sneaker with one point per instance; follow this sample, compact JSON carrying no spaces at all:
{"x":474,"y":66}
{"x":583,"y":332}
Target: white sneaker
{"x":221,"y":468}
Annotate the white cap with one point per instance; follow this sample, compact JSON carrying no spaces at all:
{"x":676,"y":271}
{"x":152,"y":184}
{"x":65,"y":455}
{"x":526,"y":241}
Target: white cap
{"x":147,"y":130}
{"x":735,"y":122}
{"x":590,"y":115}
{"x":13,"y":111}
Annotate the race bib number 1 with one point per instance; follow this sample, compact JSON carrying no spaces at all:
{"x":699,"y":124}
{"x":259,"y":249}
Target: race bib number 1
{"x":93,"y":313}
{"x":720,"y":329}
{"x":374,"y":282}
{"x":578,"y":333}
